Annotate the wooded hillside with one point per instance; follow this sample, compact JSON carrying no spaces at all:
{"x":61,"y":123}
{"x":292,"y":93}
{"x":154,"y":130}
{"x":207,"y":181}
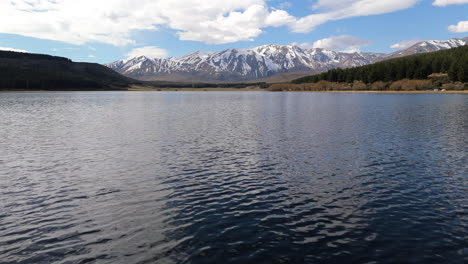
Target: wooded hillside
{"x":420,"y":66}
{"x":25,"y":71}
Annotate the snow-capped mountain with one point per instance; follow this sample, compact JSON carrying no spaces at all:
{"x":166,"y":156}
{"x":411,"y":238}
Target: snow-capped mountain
{"x":240,"y":64}
{"x":234,"y":65}
{"x":429,"y":46}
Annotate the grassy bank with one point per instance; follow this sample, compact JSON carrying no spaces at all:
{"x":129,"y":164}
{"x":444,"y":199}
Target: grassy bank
{"x":404,"y":85}
{"x":390,"y":92}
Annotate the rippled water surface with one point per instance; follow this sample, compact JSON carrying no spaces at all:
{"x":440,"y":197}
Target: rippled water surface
{"x":233,"y":177}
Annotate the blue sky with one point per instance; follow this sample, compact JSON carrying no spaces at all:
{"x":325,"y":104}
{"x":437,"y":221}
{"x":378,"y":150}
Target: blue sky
{"x":107,"y":30}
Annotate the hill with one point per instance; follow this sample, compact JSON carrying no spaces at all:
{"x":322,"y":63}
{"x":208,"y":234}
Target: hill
{"x":453,"y":62}
{"x":25,"y":71}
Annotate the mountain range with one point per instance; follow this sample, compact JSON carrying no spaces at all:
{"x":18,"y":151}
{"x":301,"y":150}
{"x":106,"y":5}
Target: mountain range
{"x":263,"y":63}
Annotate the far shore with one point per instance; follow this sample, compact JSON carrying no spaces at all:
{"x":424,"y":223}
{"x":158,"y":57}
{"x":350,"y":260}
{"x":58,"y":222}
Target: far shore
{"x":266,"y":90}
{"x":208,"y":89}
{"x":220,"y":89}
{"x":393,"y":92}
{"x":257,"y":89}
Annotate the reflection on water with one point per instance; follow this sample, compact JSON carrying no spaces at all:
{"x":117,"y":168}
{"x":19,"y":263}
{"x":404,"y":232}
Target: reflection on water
{"x":233,"y":177}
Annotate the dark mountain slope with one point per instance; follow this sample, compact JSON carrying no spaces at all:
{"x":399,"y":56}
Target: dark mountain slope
{"x":25,"y":71}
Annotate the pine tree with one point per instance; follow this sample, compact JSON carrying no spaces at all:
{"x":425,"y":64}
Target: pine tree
{"x":445,"y":66}
{"x":453,"y":72}
{"x":462,"y":74}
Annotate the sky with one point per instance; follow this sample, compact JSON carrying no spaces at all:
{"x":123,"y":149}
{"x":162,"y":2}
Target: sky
{"x":103,"y":31}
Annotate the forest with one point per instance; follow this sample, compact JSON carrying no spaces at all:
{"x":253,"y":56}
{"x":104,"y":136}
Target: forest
{"x":453,"y":62}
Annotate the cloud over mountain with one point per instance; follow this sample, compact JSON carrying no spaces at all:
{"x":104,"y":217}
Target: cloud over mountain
{"x":148,"y":51}
{"x":12,"y":49}
{"x":343,"y":42}
{"x":404,"y":44}
{"x":461,"y":27}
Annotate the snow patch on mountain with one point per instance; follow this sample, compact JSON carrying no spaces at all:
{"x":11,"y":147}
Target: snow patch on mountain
{"x":263,"y":61}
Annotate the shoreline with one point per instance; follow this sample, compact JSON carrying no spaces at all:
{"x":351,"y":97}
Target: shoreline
{"x":390,"y":92}
{"x":143,"y":89}
{"x":212,"y":89}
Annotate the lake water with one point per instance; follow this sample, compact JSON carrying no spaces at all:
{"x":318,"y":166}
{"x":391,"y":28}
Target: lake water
{"x":233,"y":177}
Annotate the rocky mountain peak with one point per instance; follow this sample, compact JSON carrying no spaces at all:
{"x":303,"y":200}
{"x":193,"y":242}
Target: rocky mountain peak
{"x":240,"y":64}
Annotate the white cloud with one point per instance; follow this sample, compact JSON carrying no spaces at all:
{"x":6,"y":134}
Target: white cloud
{"x":343,"y":42}
{"x":232,"y":27}
{"x":91,"y":56}
{"x":13,"y":49}
{"x":461,"y":27}
{"x":341,"y":9}
{"x":215,"y":22}
{"x":405,"y":43}
{"x":221,"y":29}
{"x":285,"y":5}
{"x":113,"y":21}
{"x":279,"y":18}
{"x":332,"y":4}
{"x":449,"y":2}
{"x":148,"y":51}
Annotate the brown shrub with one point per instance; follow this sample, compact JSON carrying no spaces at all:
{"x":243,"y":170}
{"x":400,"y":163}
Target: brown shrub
{"x":458,"y":86}
{"x":423,"y":84}
{"x":339,"y":86}
{"x":359,"y":86}
{"x":412,"y":85}
{"x":279,"y":87}
{"x":320,"y":86}
{"x":328,"y":86}
{"x":397,"y":85}
{"x":378,"y":86}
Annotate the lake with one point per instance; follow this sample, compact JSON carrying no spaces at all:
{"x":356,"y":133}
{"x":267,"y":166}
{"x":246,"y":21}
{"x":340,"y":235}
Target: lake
{"x":233,"y":177}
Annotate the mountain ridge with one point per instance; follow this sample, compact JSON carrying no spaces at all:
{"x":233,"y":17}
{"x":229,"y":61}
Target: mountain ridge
{"x":260,"y":63}
{"x":240,"y":64}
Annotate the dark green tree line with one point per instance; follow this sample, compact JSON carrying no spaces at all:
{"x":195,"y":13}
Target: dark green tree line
{"x":420,"y":66}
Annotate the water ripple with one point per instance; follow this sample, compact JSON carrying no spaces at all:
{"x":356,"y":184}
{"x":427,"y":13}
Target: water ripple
{"x":233,"y":177}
